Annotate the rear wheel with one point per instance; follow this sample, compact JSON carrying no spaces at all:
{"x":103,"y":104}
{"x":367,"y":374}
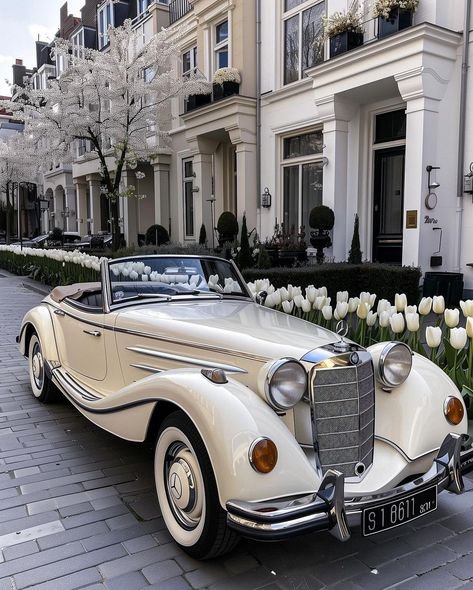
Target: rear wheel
{"x":41,"y":385}
{"x":187,"y":491}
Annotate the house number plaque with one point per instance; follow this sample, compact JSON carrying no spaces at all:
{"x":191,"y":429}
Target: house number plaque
{"x":411,"y":219}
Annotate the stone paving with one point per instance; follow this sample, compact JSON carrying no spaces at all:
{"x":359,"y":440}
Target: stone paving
{"x":78,"y":510}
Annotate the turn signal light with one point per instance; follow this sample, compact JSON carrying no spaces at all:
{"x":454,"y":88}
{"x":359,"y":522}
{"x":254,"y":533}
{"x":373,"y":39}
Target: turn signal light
{"x":263,"y":455}
{"x":453,"y":410}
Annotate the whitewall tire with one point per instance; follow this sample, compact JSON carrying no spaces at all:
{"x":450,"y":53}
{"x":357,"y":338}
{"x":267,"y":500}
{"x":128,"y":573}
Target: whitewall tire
{"x":187,"y":492}
{"x":41,"y":386}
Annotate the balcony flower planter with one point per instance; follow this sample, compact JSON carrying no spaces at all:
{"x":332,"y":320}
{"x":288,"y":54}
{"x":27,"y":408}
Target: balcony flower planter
{"x":197,"y":100}
{"x":345,"y":41}
{"x":226,"y":82}
{"x":398,"y":19}
{"x":225,"y":89}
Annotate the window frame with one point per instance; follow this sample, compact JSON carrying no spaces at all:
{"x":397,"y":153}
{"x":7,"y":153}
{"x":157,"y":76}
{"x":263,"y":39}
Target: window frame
{"x":188,"y":180}
{"x":104,"y":12}
{"x":221,"y":45}
{"x":286,"y":16}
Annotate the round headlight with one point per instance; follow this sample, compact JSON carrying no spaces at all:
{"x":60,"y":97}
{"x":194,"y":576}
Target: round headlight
{"x":285,"y":384}
{"x":395,"y":363}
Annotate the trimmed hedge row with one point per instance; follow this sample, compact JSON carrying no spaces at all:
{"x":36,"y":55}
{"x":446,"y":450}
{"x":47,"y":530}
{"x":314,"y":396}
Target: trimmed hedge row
{"x":46,"y":270}
{"x":383,"y":279}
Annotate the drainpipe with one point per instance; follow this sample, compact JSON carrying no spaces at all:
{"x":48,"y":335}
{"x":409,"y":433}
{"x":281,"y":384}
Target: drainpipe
{"x":258,"y":117}
{"x":461,"y":135}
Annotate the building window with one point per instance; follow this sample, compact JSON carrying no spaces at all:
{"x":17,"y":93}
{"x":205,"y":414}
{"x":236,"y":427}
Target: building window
{"x":303,"y":37}
{"x":302,"y":179}
{"x":221,"y":45}
{"x":105,"y":20}
{"x":187,"y":180}
{"x":390,"y":126}
{"x":189,"y":61}
{"x":78,"y":43}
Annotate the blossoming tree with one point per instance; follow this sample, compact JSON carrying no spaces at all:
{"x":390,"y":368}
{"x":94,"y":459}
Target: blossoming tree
{"x":117,"y":99}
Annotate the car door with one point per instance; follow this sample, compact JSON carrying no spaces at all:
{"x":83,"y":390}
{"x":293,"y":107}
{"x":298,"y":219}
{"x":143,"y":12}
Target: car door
{"x":81,"y":336}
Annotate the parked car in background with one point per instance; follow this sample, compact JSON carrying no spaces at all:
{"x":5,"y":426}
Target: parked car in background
{"x":95,"y":242}
{"x":264,"y":425}
{"x":45,"y":241}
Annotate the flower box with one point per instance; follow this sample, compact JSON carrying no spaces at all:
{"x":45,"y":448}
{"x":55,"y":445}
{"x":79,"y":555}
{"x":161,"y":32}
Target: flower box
{"x":399,"y":19}
{"x":197,"y":100}
{"x":345,"y":41}
{"x":225,"y":89}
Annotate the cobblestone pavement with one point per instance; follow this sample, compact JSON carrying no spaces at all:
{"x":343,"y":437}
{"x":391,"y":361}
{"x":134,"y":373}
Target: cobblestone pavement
{"x":78,"y":510}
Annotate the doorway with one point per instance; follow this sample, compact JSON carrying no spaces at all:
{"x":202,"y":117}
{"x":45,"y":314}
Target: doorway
{"x":388,"y":205}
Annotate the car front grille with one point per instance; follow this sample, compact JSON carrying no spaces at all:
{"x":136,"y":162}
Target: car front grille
{"x":342,"y":403}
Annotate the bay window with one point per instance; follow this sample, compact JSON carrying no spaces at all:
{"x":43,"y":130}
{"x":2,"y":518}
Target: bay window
{"x":105,"y":20}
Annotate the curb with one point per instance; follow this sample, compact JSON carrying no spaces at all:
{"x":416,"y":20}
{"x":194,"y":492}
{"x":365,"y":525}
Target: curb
{"x":36,"y":287}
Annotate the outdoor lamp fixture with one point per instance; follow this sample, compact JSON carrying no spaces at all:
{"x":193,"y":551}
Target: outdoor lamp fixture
{"x":43,"y":204}
{"x":431,"y":198}
{"x":266,"y":198}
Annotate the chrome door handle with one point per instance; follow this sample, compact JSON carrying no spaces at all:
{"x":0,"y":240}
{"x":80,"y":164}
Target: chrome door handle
{"x":59,"y":312}
{"x":92,"y":333}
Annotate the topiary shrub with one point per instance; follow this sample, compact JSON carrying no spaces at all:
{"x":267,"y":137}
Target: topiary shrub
{"x":354,"y":256}
{"x":203,"y":235}
{"x":227,"y":227}
{"x":322,"y":218}
{"x":245,"y":259}
{"x":156,"y":235}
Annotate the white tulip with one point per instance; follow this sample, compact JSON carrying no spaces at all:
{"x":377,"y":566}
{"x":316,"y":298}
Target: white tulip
{"x":287,"y":306}
{"x":144,"y":277}
{"x":410,"y":309}
{"x":342,"y":296}
{"x":469,"y":326}
{"x":384,"y":319}
{"x":383,"y":305}
{"x":341,"y":310}
{"x":306,"y":305}
{"x":362,"y":310}
{"x":372,"y":300}
{"x":296,"y":291}
{"x":365,"y":297}
{"x":311,"y":293}
{"x":400,"y":301}
{"x":425,"y":305}
{"x":433,"y":336}
{"x":353,"y":303}
{"x":412,"y":321}
{"x":298,"y":301}
{"x":397,"y":323}
{"x":327,"y":312}
{"x":269,"y":301}
{"x":290,"y":294}
{"x":467,"y":308}
{"x":438,"y":304}
{"x":277,"y":299}
{"x":319,"y":302}
{"x":458,"y":338}
{"x":323,"y":291}
{"x":371,"y":318}
{"x":452,"y":317}
{"x":284,"y":293}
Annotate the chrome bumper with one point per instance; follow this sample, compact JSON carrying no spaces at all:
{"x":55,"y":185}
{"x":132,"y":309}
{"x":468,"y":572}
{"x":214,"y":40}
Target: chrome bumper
{"x":327,"y":509}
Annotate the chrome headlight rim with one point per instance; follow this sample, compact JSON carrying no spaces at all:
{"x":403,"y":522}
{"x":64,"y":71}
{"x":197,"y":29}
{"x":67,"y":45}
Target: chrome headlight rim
{"x":382,"y":364}
{"x":268,"y":391}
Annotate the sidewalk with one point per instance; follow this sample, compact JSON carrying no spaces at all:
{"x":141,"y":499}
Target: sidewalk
{"x":78,"y":510}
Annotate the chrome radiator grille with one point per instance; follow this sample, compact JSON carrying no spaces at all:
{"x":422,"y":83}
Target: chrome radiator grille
{"x":342,"y":401}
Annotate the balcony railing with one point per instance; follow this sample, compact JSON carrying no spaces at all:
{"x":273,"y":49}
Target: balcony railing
{"x":178,"y":9}
{"x":219,"y":92}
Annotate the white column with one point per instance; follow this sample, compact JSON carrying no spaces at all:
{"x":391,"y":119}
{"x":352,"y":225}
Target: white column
{"x":58,"y":217}
{"x":162,"y":196}
{"x":203,"y":182}
{"x":81,"y":211}
{"x":246,"y":183}
{"x":71,"y":220}
{"x":94,"y":204}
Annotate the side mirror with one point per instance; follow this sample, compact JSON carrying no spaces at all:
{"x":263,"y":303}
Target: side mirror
{"x":261,"y":297}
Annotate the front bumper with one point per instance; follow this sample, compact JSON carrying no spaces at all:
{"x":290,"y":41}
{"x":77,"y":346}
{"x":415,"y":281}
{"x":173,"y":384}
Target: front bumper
{"x":327,"y":509}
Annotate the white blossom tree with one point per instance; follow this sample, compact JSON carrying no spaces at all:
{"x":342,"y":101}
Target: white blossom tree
{"x":118,"y":100}
{"x":19,"y":164}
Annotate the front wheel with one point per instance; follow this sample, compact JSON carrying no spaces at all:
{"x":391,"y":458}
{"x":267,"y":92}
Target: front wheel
{"x":41,"y":385}
{"x":187,"y":491}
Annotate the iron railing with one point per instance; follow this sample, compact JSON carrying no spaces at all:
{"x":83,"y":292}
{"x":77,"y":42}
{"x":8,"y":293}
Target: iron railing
{"x":178,"y":9}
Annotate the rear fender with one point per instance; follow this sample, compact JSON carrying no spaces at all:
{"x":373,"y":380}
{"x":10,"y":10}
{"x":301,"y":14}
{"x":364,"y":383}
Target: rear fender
{"x":229,"y":418}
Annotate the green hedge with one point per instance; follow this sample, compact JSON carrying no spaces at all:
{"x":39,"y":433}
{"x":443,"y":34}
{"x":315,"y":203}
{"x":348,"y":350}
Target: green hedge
{"x":383,"y":279}
{"x":47,"y":271}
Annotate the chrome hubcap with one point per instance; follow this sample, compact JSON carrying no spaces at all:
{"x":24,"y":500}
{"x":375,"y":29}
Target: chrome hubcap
{"x":37,"y":366}
{"x":182,"y":485}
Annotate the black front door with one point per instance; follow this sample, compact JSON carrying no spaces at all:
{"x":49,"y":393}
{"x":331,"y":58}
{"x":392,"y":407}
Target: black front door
{"x":388,"y":205}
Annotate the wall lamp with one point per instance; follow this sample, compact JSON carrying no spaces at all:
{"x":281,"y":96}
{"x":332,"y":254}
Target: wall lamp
{"x":431,"y":198}
{"x":431,"y":185}
{"x":266,"y":198}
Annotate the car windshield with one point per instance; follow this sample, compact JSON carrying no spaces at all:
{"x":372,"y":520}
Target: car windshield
{"x":161,"y":276}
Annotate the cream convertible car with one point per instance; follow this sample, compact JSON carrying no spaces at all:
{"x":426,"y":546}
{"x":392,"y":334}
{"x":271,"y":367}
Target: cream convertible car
{"x":265,"y":425}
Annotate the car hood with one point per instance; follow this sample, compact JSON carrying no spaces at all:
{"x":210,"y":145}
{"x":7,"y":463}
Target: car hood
{"x":236,"y":326}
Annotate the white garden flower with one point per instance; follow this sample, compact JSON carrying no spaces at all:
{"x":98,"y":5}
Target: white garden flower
{"x":353,"y":303}
{"x":365,"y":297}
{"x":469,"y":327}
{"x":362,"y":310}
{"x":412,"y":321}
{"x":371,"y":318}
{"x":467,"y":308}
{"x":298,"y":301}
{"x":319,"y":302}
{"x":306,"y":305}
{"x":277,"y":297}
{"x":383,"y":305}
{"x":433,"y":336}
{"x":452,"y":317}
{"x":397,"y":323}
{"x":400,"y":301}
{"x":458,"y":338}
{"x":438,"y":304}
{"x":342,"y":296}
{"x":410,"y":309}
{"x":287,"y":306}
{"x":425,"y":305}
{"x":284,"y":293}
{"x":384,"y":319}
{"x":311,"y":293}
{"x":341,"y":310}
{"x":327,"y":312}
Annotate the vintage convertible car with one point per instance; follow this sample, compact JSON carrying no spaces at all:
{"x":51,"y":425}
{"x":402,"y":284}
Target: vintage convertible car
{"x":264,"y":425}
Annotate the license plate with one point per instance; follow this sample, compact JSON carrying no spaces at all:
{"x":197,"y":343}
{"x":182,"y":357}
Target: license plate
{"x":397,"y":512}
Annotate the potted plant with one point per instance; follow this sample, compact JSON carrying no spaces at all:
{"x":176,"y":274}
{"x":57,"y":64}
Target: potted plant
{"x":292,"y":246}
{"x":227,"y":227}
{"x":344,"y":30}
{"x":394,"y":15}
{"x":321,"y":219}
{"x":226,"y":82}
{"x":197,"y":100}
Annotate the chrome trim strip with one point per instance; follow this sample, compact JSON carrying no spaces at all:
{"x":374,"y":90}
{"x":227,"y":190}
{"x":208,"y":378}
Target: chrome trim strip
{"x":106,"y":285}
{"x":185,"y":359}
{"x":146,"y":368}
{"x":401,"y":452}
{"x":72,"y":383}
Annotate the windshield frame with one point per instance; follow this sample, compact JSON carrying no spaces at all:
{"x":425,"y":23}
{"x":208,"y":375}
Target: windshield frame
{"x":107,"y":287}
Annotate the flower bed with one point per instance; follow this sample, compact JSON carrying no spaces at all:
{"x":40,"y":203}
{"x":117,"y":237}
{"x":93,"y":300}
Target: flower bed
{"x":52,"y":267}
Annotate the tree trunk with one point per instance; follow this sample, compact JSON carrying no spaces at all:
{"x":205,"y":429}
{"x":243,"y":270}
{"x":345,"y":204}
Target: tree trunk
{"x":115,"y":214}
{"x":7,"y":224}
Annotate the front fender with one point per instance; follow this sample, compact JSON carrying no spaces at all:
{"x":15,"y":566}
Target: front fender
{"x":39,"y":319}
{"x":229,"y":417}
{"x":411,"y":416}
